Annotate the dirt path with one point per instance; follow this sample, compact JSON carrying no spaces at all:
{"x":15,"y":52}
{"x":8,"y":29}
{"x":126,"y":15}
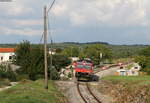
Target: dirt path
{"x":12,"y":84}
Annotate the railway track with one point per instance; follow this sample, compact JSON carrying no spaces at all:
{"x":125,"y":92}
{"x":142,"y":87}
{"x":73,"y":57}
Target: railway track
{"x":91,"y":96}
{"x":86,"y":100}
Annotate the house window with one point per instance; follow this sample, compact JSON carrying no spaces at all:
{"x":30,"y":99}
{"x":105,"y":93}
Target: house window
{"x":135,"y":67}
{"x":1,"y":58}
{"x":10,"y":57}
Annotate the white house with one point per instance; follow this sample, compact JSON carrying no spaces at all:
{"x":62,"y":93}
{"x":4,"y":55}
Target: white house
{"x":134,"y":71}
{"x":6,"y":54}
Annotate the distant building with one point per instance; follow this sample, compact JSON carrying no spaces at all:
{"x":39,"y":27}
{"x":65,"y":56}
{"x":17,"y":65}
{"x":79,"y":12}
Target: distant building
{"x":6,"y":54}
{"x":134,"y":71}
{"x":121,"y":72}
{"x":73,"y":59}
{"x":52,"y":51}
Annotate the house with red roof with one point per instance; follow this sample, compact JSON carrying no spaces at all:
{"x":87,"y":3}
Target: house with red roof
{"x":6,"y":54}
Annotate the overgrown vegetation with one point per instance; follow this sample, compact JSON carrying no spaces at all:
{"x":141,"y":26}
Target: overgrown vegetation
{"x":31,"y":62}
{"x":6,"y":72}
{"x":126,"y":89}
{"x":144,"y":60}
{"x":32,"y":92}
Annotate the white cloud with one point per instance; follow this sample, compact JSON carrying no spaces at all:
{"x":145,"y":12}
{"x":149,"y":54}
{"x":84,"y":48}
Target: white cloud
{"x":111,"y":12}
{"x":26,"y":31}
{"x":15,"y":8}
{"x":22,"y":22}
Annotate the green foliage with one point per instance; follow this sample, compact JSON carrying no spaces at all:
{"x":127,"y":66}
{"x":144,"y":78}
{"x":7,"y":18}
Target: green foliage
{"x":30,"y":60}
{"x":60,"y":61}
{"x":94,"y":51}
{"x":7,"y":73}
{"x":145,"y":52}
{"x":23,"y":58}
{"x":71,"y":51}
{"x":144,"y":60}
{"x":54,"y":74}
{"x":125,"y":51}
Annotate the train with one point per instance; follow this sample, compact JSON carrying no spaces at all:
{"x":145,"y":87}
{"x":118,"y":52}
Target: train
{"x":84,"y":70}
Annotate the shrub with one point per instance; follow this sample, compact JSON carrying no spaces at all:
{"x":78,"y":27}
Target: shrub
{"x":6,"y":72}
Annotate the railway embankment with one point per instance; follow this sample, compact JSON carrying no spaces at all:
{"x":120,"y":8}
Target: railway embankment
{"x":123,"y":89}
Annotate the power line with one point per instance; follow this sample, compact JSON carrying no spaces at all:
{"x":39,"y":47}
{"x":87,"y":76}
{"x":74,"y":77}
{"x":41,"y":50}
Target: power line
{"x":41,"y":38}
{"x":51,"y":6}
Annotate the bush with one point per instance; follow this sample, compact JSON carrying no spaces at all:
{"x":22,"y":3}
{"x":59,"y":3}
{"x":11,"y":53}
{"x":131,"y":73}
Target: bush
{"x":7,"y":73}
{"x":22,"y":77}
{"x":54,"y":74}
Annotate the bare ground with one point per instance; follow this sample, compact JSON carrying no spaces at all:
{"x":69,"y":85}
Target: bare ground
{"x":69,"y":89}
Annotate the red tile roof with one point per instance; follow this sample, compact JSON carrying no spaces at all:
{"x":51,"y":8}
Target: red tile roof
{"x":7,"y":50}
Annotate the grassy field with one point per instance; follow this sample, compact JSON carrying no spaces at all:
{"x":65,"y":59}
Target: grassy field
{"x":127,"y":78}
{"x":141,"y":80}
{"x":32,"y":92}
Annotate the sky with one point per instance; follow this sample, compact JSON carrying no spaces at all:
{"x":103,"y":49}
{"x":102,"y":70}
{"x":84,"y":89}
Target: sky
{"x":112,"y":21}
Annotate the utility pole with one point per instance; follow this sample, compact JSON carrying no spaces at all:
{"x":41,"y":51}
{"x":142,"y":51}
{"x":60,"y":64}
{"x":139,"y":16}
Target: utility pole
{"x":100,"y":57}
{"x":45,"y":47}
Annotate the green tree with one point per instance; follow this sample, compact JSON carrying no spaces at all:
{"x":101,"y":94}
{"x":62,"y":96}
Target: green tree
{"x":30,"y":60}
{"x":23,"y":58}
{"x":94,"y":51}
{"x":60,"y":61}
{"x":144,"y":60}
{"x":71,"y":51}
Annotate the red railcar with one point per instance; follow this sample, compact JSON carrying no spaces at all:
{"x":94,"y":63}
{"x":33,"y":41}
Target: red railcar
{"x":84,"y":70}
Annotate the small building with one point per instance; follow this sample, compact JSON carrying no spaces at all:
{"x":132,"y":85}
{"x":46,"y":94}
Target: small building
{"x":133,"y":71}
{"x":6,"y":54}
{"x":52,"y":51}
{"x":121,"y":72}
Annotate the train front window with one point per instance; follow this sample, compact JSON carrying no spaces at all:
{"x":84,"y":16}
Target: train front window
{"x":84,"y":66}
{"x":80,"y":66}
{"x":87,"y":67}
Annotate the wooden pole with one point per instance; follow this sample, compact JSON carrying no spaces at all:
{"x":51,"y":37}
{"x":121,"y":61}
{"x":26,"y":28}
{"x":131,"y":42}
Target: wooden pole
{"x":45,"y":47}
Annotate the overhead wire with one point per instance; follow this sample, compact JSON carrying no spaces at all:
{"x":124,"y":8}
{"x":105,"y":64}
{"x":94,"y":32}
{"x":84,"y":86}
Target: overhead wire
{"x":41,"y":38}
{"x":51,"y":6}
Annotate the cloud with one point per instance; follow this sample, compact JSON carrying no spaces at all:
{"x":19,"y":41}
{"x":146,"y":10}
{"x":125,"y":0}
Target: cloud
{"x":22,"y":22}
{"x":26,"y":31}
{"x":15,"y":8}
{"x":109,"y":12}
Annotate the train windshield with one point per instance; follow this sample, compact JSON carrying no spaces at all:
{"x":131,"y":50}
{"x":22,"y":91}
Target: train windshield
{"x":84,"y":66}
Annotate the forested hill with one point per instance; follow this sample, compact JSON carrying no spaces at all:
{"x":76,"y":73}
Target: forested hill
{"x":119,"y":51}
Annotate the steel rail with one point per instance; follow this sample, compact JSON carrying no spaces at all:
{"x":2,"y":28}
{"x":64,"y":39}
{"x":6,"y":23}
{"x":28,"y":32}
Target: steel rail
{"x":78,"y":88}
{"x":92,"y":93}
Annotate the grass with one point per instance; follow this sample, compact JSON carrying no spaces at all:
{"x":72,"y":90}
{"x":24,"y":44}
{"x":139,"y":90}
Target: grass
{"x":32,"y":92}
{"x":127,"y":78}
{"x":4,"y":83}
{"x":140,"y":80}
